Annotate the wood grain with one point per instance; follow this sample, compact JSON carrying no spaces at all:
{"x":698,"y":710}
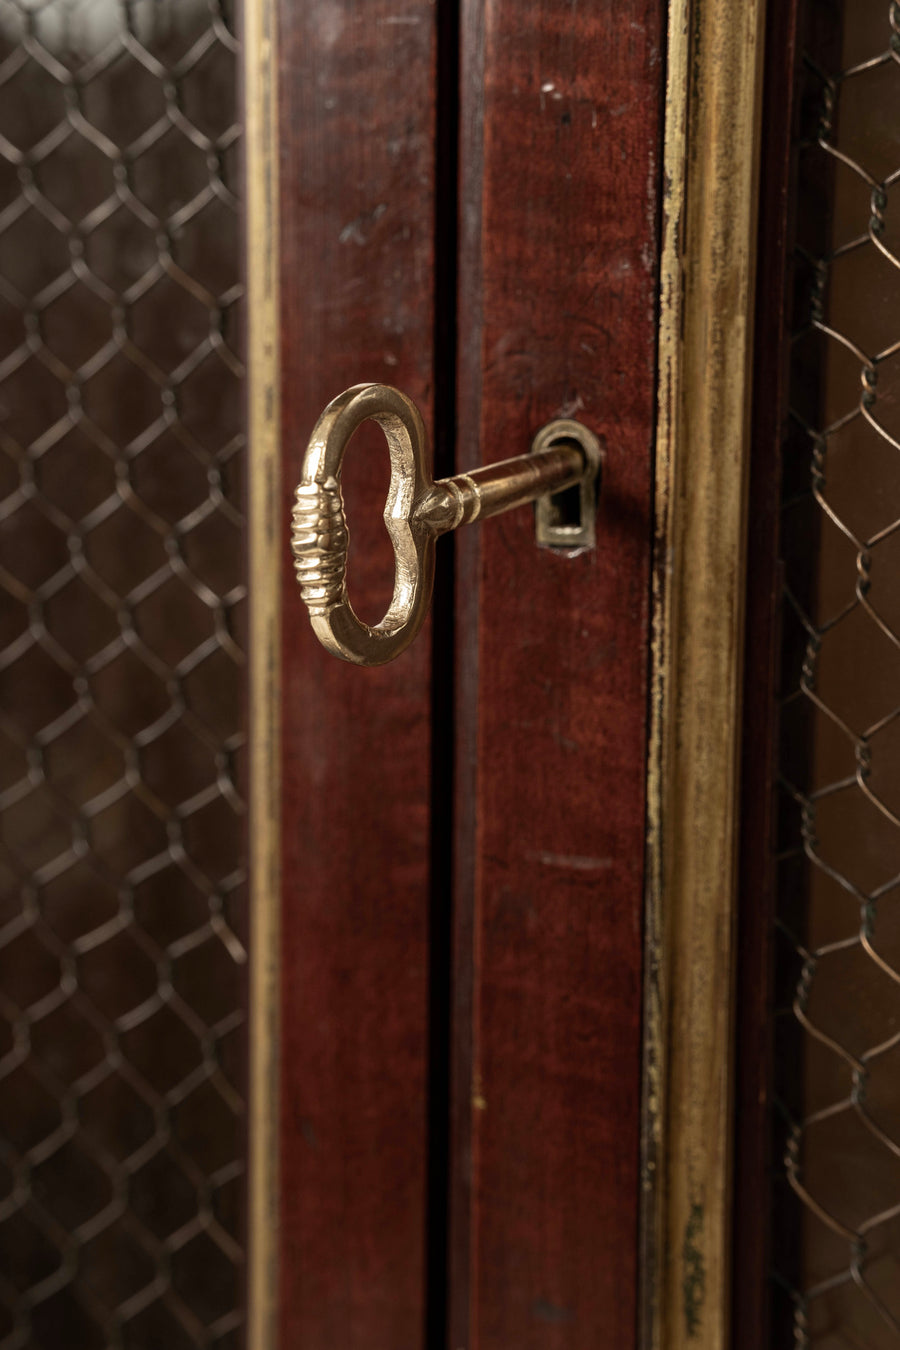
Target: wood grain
{"x":757,"y":871}
{"x":561,"y":142}
{"x":714,"y":80}
{"x":357,"y":226}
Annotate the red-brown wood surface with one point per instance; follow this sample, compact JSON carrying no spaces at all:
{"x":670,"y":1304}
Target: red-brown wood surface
{"x":756,"y":916}
{"x":562,"y":122}
{"x":357,"y":172}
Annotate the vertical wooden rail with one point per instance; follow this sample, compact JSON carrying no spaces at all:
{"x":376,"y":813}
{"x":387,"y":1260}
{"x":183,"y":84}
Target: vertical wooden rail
{"x":752,"y":1253}
{"x":357,"y":169}
{"x":561,"y":119}
{"x":706,"y":331}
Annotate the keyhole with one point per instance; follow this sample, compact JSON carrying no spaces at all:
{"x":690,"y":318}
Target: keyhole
{"x":564,"y":509}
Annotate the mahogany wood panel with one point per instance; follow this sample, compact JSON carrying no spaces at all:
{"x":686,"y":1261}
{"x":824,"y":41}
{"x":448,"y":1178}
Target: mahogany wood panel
{"x":756,"y":912}
{"x":357,"y":181}
{"x":559,"y":247}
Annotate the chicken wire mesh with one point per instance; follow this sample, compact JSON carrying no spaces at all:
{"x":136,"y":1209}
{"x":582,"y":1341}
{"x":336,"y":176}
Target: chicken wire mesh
{"x":837,"y":1230}
{"x":122,"y":903}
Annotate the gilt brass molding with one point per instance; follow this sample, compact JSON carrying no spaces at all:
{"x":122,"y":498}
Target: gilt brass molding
{"x":264,"y":526}
{"x":713,"y":102}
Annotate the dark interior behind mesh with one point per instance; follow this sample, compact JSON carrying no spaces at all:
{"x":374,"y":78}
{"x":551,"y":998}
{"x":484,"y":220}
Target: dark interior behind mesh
{"x":122,"y":590}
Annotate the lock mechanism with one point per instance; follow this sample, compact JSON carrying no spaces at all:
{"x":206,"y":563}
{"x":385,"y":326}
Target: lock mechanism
{"x":561,"y":473}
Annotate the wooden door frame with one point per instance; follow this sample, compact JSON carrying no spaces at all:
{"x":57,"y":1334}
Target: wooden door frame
{"x":711,"y":156}
{"x":709,"y":231}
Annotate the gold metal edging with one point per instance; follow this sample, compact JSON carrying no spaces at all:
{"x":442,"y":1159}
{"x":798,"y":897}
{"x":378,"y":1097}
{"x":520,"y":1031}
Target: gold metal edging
{"x":713,"y":101}
{"x":261,"y":159}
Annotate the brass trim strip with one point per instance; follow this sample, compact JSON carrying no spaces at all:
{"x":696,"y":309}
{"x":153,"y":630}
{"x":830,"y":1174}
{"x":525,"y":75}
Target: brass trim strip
{"x":261,"y":159}
{"x":712,"y":129}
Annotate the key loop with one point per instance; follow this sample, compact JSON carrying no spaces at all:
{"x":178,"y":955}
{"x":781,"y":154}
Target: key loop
{"x":319,"y":536}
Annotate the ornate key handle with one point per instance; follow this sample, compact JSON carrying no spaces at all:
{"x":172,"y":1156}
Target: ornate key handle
{"x":417,"y":511}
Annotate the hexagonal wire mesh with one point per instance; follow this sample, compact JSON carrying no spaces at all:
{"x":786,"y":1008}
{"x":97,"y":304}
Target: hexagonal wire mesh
{"x":122,"y":917}
{"x":837,"y":1235}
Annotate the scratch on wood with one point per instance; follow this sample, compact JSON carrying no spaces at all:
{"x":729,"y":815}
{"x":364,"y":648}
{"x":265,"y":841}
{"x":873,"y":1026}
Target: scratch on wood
{"x":574,"y":861}
{"x":359,"y":230}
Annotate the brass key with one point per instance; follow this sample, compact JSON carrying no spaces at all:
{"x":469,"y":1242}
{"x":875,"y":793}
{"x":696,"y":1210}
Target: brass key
{"x":564,"y":454}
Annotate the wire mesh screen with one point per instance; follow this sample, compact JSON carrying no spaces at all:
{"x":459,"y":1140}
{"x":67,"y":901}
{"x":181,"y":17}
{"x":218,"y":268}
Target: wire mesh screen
{"x":837,"y":1234}
{"x":122,"y":917}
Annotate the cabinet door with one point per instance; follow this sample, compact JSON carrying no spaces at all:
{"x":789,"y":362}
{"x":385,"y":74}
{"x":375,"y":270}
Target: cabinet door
{"x":472,"y":207}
